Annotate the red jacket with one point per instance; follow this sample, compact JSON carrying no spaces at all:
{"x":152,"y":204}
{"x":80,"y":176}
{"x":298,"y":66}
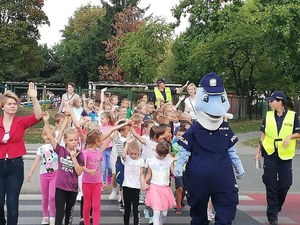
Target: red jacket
{"x":15,"y":146}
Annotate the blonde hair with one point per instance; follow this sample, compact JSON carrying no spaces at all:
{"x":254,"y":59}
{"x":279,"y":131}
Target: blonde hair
{"x":6,"y":96}
{"x":134,"y":146}
{"x":69,"y":131}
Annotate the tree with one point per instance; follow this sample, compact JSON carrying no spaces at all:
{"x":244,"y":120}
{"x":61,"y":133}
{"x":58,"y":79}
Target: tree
{"x":129,"y":20}
{"x":82,"y":49}
{"x":19,"y":53}
{"x":142,"y":53}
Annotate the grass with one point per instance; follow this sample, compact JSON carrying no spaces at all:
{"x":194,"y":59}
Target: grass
{"x":33,"y":135}
{"x":244,"y":126}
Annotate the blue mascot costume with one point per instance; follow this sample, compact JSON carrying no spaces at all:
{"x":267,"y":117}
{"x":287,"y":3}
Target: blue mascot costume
{"x":205,"y":147}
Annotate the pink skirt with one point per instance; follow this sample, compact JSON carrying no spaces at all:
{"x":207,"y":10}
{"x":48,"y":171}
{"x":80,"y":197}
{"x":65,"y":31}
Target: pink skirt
{"x":160,"y":197}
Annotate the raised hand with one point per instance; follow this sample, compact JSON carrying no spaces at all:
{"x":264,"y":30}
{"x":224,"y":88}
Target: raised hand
{"x":32,"y":90}
{"x":46,"y":116}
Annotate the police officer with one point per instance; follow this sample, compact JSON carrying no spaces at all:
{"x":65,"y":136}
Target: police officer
{"x":164,"y":94}
{"x":277,"y":145}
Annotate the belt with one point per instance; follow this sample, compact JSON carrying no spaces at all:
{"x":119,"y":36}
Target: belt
{"x":6,"y":159}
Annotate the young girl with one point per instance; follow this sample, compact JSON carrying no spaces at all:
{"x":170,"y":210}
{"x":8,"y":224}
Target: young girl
{"x":159,"y":195}
{"x":48,"y":171}
{"x":92,"y":177}
{"x":106,"y":125}
{"x":133,"y":178}
{"x":70,"y":166}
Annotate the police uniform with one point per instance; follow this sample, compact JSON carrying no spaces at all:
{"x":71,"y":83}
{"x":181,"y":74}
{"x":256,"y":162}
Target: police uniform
{"x":209,"y":173}
{"x":277,"y":175}
{"x":165,"y":94}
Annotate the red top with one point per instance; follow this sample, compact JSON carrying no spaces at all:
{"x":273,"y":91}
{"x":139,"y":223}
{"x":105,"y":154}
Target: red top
{"x":15,"y":146}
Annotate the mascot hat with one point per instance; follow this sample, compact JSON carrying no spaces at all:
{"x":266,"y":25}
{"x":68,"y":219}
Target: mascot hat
{"x":211,"y":101}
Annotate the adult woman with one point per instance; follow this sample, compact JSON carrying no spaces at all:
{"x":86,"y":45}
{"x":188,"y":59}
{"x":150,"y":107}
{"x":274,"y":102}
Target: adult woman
{"x":12,"y":148}
{"x":279,"y":129}
{"x":68,"y":96}
{"x":189,"y":102}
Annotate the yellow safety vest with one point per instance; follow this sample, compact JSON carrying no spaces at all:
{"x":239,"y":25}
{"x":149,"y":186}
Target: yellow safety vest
{"x":271,"y":134}
{"x":158,"y":95}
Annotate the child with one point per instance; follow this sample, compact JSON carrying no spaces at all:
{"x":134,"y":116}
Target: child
{"x":114,"y":100}
{"x":179,"y":181}
{"x":106,"y":125}
{"x":136,"y":123}
{"x":150,"y":110}
{"x":133,"y":178}
{"x":70,"y":165}
{"x":159,"y":195}
{"x":92,"y":178}
{"x":126,"y":103}
{"x":77,"y":107}
{"x":48,"y":171}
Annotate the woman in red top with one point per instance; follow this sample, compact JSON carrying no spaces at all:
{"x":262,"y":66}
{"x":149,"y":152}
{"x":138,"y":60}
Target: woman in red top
{"x":12,"y":148}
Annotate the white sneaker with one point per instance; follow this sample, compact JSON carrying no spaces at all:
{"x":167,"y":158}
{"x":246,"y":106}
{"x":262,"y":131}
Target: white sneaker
{"x":52,"y":221}
{"x":113,"y":195}
{"x":45,"y":220}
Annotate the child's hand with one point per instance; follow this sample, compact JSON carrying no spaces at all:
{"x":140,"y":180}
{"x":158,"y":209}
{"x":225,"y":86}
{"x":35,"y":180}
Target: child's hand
{"x":46,"y":116}
{"x":29,"y":178}
{"x":104,"y":89}
{"x":104,"y":186}
{"x":145,"y":186}
{"x":181,"y":97}
{"x":92,"y":172}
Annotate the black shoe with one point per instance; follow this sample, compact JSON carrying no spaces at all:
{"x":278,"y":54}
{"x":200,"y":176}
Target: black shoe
{"x":81,"y":223}
{"x":275,"y":222}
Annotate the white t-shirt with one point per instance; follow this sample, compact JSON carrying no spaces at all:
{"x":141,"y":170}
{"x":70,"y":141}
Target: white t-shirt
{"x":49,"y":159}
{"x":160,"y":170}
{"x":132,"y":172}
{"x":190,"y":106}
{"x":148,"y":149}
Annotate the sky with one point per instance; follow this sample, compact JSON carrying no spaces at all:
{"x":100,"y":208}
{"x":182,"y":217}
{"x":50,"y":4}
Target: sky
{"x":59,"y":11}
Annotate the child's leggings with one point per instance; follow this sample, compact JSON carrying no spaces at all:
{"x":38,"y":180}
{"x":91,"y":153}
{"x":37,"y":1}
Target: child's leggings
{"x":131,"y":197}
{"x":159,"y":217}
{"x":106,"y":167}
{"x":92,"y":198}
{"x":64,"y":202}
{"x":47,"y":181}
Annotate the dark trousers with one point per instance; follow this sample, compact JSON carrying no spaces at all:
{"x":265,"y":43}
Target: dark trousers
{"x":11,"y":181}
{"x":278,"y":179}
{"x":131,"y":197}
{"x":64,"y":202}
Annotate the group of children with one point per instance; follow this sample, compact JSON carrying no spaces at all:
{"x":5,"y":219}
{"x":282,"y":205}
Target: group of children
{"x":96,"y":144}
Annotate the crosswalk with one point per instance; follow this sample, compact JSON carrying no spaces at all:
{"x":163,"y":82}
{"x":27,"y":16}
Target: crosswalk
{"x":30,"y":213}
{"x":251,"y":211}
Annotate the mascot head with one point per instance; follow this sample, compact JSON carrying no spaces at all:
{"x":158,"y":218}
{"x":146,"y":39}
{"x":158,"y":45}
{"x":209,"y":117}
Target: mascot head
{"x":211,"y":101}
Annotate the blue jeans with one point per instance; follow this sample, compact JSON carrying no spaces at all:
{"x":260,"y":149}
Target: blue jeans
{"x":106,"y":168}
{"x":11,"y":180}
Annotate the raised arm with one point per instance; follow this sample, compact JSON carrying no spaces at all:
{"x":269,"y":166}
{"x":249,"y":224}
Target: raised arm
{"x":32,"y":93}
{"x":137,"y":136}
{"x":48,"y":130}
{"x":181,"y":89}
{"x":181,"y":98}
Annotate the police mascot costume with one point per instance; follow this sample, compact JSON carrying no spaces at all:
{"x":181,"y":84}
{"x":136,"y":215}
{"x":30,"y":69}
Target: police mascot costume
{"x":205,"y":147}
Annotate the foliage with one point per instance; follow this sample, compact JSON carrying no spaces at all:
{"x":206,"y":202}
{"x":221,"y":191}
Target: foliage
{"x":81,"y":49}
{"x":248,"y":44}
{"x":142,"y":52}
{"x":129,"y":20}
{"x":20,"y":57}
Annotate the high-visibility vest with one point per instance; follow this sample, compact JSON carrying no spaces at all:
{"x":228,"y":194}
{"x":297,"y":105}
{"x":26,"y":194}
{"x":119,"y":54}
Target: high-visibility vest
{"x":158,"y":95}
{"x":272,"y":138}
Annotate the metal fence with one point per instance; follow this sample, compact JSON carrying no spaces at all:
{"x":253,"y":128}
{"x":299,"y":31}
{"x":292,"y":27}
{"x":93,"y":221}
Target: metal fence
{"x":241,"y":107}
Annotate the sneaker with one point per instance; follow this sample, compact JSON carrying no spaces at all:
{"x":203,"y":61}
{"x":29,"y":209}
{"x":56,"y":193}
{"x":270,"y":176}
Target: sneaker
{"x":121,"y":207}
{"x":178,"y":211}
{"x":52,"y":221}
{"x":81,"y":222}
{"x":113,"y":195}
{"x":45,"y":220}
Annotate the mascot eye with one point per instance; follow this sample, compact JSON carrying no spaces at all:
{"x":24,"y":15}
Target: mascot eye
{"x":223,"y":99}
{"x":205,"y":98}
